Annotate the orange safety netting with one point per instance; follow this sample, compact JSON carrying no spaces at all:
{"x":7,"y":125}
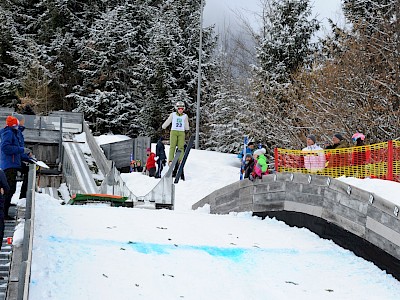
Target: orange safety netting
{"x":376,"y":161}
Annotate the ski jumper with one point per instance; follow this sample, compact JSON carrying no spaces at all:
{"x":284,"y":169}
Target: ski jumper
{"x":180,"y":123}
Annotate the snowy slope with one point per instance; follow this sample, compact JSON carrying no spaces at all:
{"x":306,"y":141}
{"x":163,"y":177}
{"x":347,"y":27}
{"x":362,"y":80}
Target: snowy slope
{"x":100,"y":252}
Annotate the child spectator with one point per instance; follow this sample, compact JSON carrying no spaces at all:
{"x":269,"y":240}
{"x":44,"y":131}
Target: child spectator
{"x":151,"y":163}
{"x":260,"y":163}
{"x":248,"y":165}
{"x":136,"y":166}
{"x":139,"y":167}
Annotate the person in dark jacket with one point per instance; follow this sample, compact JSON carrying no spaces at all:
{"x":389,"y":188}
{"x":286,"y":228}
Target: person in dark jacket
{"x":335,"y":158}
{"x":4,"y":189}
{"x":10,"y":159}
{"x":161,"y":156}
{"x":27,"y":109}
{"x":337,"y":142}
{"x":249,"y":166}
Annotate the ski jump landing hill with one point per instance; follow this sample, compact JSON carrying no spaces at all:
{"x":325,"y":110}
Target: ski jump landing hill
{"x":353,"y":218}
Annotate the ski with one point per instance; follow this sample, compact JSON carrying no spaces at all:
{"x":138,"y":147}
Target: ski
{"x":185,"y":155}
{"x":39,"y":163}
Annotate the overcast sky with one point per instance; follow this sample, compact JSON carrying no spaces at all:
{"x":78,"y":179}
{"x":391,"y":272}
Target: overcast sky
{"x":223,"y":13}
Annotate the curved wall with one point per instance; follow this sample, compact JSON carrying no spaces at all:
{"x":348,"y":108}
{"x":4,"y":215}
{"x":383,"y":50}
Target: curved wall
{"x":355,"y":219}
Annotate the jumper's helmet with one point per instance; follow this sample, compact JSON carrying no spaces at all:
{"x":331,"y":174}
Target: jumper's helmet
{"x":179,"y":104}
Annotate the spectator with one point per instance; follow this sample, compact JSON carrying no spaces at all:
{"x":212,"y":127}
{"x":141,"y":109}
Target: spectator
{"x":136,"y":166}
{"x":337,"y":158}
{"x":314,"y":159}
{"x":25,"y":157}
{"x":358,"y":138}
{"x":150,"y":163}
{"x":361,"y":154}
{"x":180,"y":123}
{"x":10,"y":159}
{"x":249,"y":150}
{"x":4,"y":189}
{"x":337,"y":142}
{"x":248,"y":166}
{"x":27,"y":109}
{"x":161,"y":157}
{"x":139,"y":167}
{"x":132,"y":166}
{"x":260,"y":163}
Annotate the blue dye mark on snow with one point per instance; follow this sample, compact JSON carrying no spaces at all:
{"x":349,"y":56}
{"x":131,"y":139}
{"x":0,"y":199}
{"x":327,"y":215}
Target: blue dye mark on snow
{"x":158,"y":249}
{"x":148,"y":248}
{"x":232,"y":253}
{"x":54,"y":239}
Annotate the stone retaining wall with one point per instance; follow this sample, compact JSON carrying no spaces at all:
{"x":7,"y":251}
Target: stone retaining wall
{"x":357,"y":212}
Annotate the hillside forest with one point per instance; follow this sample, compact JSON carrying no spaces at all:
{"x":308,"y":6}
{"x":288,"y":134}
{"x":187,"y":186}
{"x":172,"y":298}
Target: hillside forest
{"x":125,"y":64}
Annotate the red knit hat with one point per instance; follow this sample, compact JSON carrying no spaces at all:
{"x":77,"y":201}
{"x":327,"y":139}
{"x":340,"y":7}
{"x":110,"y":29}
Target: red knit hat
{"x":12,"y":121}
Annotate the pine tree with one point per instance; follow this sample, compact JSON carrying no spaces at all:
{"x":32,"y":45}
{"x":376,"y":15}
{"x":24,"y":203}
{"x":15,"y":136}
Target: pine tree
{"x":111,"y":64}
{"x":285,"y":48}
{"x":230,"y":107}
{"x":8,"y":81}
{"x":286,"y":42}
{"x":357,"y":87}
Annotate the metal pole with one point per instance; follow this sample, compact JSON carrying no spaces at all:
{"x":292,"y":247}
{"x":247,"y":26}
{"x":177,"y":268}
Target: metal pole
{"x":199,"y":78}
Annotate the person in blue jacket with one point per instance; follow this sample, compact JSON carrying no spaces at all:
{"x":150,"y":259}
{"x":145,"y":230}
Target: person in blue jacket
{"x":4,"y":189}
{"x":10,"y":158}
{"x":249,"y":150}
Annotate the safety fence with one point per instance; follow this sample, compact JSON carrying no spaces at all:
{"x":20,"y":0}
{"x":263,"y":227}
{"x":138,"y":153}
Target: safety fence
{"x":380,"y":160}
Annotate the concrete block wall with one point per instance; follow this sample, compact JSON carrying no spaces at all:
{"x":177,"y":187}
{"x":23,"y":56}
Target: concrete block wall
{"x":359,"y":212}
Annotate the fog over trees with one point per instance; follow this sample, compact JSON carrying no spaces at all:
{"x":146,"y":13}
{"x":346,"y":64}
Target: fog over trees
{"x":125,"y":63}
